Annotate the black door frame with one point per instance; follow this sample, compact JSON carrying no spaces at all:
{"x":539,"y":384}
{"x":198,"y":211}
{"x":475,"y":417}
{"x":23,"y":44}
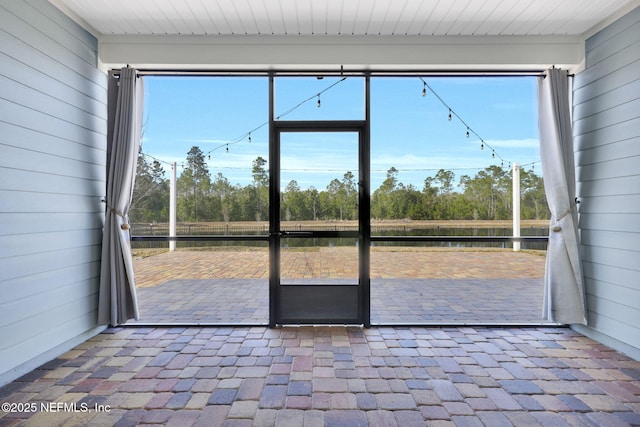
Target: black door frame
{"x":362,"y":127}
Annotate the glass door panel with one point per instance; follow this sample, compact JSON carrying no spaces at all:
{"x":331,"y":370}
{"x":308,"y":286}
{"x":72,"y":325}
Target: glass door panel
{"x":318,"y":229}
{"x":319,"y":196}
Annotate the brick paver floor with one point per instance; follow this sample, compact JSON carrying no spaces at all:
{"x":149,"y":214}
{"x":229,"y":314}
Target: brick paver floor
{"x":330,"y":376}
{"x":409,"y":285}
{"x":386,"y":263}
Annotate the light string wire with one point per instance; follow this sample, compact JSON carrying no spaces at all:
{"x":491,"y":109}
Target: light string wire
{"x":470,"y":130}
{"x":452,"y":113}
{"x":247,"y":135}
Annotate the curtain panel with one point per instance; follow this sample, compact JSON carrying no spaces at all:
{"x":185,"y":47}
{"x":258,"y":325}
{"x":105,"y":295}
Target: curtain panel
{"x":117,"y":300}
{"x":564,"y":294}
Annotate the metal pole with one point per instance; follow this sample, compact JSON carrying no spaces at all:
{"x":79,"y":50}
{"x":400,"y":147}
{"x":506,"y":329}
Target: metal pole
{"x":172,"y":207}
{"x":516,"y":205}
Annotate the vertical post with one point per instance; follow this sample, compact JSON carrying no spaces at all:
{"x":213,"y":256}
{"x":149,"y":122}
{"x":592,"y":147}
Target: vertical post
{"x":172,"y":207}
{"x":365,"y":206}
{"x":516,"y":205}
{"x":274,"y":209}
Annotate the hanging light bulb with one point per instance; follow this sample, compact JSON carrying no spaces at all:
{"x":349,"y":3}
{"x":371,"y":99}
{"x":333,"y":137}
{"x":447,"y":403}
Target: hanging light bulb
{"x":209,"y":157}
{"x":493,"y":154}
{"x":424,"y":89}
{"x":227,"y":149}
{"x":467,"y":132}
{"x":319,"y":101}
{"x":249,"y":139}
{"x":449,"y":117}
{"x":482,"y":144}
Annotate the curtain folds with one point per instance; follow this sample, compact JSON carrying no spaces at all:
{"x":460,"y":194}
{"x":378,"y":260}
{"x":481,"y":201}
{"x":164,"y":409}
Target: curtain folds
{"x":117,"y":300}
{"x":564,"y":295}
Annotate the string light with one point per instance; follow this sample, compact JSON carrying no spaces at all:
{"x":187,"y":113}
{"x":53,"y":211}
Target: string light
{"x":452,"y":113}
{"x":426,"y":86}
{"x":154,"y":158}
{"x":301,"y":103}
{"x":247,"y":135}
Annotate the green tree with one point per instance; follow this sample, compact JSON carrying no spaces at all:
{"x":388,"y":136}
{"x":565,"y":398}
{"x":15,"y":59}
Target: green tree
{"x":261,"y":188}
{"x":150,"y":200}
{"x":489,"y":192}
{"x":194,"y":187}
{"x":292,"y":207}
{"x":223,"y":191}
{"x":312,"y":202}
{"x":533,"y":201}
{"x":443,"y":182}
{"x":349,"y":195}
{"x":381,"y":204}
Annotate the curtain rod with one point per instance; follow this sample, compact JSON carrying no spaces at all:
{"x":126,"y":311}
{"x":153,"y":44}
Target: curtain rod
{"x":333,"y":72}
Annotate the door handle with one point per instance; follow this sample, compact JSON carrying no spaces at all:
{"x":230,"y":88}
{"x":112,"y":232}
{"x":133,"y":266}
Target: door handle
{"x":296,"y":233}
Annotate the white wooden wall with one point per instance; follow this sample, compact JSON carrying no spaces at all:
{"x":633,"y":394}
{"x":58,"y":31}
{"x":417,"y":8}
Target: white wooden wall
{"x":607,"y":142}
{"x":52,"y":177}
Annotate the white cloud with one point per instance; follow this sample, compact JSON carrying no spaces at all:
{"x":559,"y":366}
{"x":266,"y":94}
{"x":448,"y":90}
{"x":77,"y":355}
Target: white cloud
{"x":410,"y":162}
{"x":513,"y":143}
{"x":207,"y":141}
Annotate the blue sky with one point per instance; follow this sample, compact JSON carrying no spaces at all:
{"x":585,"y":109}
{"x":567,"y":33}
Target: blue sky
{"x":408,"y":131}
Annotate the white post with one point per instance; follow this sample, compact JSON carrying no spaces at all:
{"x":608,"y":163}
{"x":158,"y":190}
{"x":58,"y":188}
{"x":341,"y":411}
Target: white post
{"x":172,"y":207}
{"x":516,"y":205}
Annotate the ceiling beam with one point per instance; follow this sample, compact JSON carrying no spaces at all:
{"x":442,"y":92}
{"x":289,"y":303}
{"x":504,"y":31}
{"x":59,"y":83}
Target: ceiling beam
{"x":354,"y":52}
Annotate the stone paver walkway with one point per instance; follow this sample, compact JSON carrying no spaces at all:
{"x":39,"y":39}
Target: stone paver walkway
{"x":407,"y":286}
{"x":330,"y":376}
{"x":388,"y":263}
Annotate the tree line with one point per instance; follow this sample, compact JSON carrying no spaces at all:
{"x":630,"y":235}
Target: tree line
{"x":205,"y":198}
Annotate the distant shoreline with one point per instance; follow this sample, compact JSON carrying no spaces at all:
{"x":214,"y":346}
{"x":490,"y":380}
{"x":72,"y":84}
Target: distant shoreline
{"x":390,"y":224}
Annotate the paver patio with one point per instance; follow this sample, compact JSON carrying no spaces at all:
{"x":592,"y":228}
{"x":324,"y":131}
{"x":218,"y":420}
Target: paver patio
{"x":330,"y":376}
{"x":408,"y":285}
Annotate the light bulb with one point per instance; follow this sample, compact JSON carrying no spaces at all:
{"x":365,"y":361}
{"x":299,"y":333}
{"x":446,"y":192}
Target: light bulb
{"x":449,"y":114}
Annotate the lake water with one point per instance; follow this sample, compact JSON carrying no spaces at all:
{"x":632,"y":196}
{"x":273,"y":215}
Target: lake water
{"x":197,"y":230}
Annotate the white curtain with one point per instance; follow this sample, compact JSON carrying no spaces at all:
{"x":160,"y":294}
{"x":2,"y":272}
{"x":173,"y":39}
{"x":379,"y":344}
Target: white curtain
{"x":564,"y":296}
{"x":117,"y":300}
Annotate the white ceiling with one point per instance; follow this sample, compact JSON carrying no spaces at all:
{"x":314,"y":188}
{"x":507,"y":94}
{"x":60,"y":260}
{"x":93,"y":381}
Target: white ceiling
{"x":343,"y":17}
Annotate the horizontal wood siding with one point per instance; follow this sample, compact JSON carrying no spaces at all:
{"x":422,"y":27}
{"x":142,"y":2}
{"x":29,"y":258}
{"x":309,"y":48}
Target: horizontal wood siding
{"x":607,"y":141}
{"x":52,"y":177}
